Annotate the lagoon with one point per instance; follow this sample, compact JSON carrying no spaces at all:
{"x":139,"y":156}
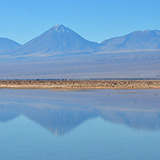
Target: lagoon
{"x":79,"y":124}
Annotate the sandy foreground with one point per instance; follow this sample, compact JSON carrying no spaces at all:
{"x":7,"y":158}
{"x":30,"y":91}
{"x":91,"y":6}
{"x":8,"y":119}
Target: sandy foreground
{"x":80,"y":84}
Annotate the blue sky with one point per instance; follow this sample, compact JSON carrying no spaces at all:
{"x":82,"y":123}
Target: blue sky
{"x":95,"y":20}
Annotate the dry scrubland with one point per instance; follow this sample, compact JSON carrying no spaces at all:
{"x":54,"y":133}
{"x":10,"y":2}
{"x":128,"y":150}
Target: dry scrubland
{"x":81,"y":84}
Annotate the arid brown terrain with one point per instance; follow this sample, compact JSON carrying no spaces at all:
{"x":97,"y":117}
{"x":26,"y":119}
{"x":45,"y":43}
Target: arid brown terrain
{"x":80,"y":84}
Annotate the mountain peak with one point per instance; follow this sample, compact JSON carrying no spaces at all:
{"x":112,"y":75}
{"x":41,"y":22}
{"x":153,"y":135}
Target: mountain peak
{"x":59,"y":39}
{"x":146,"y":32}
{"x":59,"y":28}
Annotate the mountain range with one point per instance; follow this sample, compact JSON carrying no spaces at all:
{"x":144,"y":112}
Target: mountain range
{"x":62,"y":53}
{"x":60,"y":39}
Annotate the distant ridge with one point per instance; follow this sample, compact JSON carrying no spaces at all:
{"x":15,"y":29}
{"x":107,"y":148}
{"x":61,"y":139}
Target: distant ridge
{"x":138,"y":40}
{"x":8,"y":44}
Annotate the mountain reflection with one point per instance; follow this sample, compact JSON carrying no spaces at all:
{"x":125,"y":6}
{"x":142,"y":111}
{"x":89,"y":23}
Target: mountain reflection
{"x":62,"y":112}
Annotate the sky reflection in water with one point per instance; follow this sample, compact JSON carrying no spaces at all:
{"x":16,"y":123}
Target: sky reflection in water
{"x":82,"y":124}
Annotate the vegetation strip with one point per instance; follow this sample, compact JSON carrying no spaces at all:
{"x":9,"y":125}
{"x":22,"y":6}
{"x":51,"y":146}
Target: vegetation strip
{"x":80,"y":84}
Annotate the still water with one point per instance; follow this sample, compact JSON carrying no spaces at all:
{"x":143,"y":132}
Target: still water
{"x":79,"y":125}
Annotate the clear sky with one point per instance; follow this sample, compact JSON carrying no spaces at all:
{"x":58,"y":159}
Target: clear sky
{"x":95,"y":20}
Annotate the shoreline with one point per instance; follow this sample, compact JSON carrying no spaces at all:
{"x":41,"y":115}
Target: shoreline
{"x":80,"y":84}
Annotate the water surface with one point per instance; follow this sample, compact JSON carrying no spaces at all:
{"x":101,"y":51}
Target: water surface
{"x":81,"y":125}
